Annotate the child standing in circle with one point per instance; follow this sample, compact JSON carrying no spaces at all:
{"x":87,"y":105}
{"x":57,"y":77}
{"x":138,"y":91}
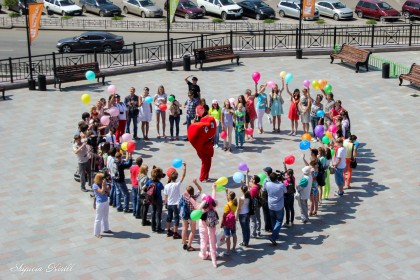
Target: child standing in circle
{"x":227,"y":124}
{"x":229,"y":221}
{"x":293,"y":109}
{"x":239,"y":126}
{"x":159,"y":99}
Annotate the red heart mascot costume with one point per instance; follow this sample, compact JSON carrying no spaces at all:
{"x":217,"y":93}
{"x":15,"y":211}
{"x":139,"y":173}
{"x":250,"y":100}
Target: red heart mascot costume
{"x":200,"y":135}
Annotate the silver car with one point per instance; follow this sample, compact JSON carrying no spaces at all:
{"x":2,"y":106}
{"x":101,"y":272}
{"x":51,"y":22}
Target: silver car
{"x":291,"y":8}
{"x":143,"y":8}
{"x":334,"y":9}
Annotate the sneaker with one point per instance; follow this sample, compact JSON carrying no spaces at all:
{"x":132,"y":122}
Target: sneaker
{"x":177,"y":236}
{"x":314,"y":140}
{"x":339,"y":194}
{"x":83,"y":189}
{"x":259,"y":234}
{"x":216,"y":146}
{"x":254,"y":236}
{"x":185,"y":246}
{"x":128,"y":211}
{"x":169,"y":233}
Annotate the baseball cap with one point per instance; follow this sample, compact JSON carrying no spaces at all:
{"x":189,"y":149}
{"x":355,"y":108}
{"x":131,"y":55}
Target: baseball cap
{"x":268,"y":169}
{"x":214,"y":101}
{"x":170,"y":171}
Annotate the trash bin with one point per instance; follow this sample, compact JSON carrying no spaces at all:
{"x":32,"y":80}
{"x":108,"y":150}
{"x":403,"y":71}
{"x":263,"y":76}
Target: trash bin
{"x":31,"y":84}
{"x":187,"y":63}
{"x":168,"y":65}
{"x":42,"y":83}
{"x":385,"y":70}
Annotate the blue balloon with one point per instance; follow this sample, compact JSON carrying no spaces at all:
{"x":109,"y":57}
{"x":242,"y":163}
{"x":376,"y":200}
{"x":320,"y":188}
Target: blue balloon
{"x":304,"y":145}
{"x":90,"y":75}
{"x":177,"y":163}
{"x":356,"y":144}
{"x":288,"y":78}
{"x":320,"y":114}
{"x":148,"y":100}
{"x":238,"y":177}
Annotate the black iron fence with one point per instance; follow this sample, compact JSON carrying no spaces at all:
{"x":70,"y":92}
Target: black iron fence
{"x":15,"y":69}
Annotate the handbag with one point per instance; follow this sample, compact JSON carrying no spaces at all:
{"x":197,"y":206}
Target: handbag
{"x":267,"y":110}
{"x":332,"y":170}
{"x":353,"y":161}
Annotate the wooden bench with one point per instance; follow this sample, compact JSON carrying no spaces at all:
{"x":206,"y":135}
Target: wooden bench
{"x":413,"y":76}
{"x":353,"y":55}
{"x":3,"y":90}
{"x":76,"y":72}
{"x":216,"y":53}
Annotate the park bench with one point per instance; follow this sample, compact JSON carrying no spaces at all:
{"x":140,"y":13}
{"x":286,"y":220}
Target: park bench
{"x":3,"y":90}
{"x":353,"y":55}
{"x":76,"y":72}
{"x":216,"y":53}
{"x":413,"y":76}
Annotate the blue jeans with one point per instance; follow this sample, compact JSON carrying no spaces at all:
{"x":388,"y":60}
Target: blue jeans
{"x":246,"y":231}
{"x":216,"y":137}
{"x":127,"y":127}
{"x":136,"y":202}
{"x":189,"y":120}
{"x":173,"y":213}
{"x":276,"y":221}
{"x":157,"y":215}
{"x":122,"y":190}
{"x":339,"y":176}
{"x":112,"y":194}
{"x":239,"y":138}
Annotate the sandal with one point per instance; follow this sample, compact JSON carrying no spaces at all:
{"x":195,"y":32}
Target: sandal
{"x":98,"y":236}
{"x":190,"y":249}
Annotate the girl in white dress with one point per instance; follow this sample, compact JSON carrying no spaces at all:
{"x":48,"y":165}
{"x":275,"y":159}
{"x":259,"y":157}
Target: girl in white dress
{"x":145,"y":113}
{"x":159,"y":99}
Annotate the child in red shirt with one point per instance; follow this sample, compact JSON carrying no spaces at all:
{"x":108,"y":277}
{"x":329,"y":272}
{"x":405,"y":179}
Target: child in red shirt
{"x":134,"y":171}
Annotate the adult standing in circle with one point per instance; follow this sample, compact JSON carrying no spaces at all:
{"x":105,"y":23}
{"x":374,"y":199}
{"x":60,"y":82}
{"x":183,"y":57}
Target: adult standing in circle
{"x":174,"y":117}
{"x":315,"y":120}
{"x":304,"y":108}
{"x":340,"y":165}
{"x":276,"y":106}
{"x":132,"y":104}
{"x":261,"y":107}
{"x":194,"y":88}
{"x":250,"y":106}
{"x":328,"y":109}
{"x":81,"y":150}
{"x":345,"y":124}
{"x":351,"y":153}
{"x":159,"y":99}
{"x":101,"y":190}
{"x":293,"y":109}
{"x":122,"y":117}
{"x":145,"y":113}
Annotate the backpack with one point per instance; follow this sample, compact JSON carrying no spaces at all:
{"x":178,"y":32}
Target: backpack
{"x":320,"y":177}
{"x":151,"y":193}
{"x":230,"y":219}
{"x":263,"y":197}
{"x":184,"y":210}
{"x":212,"y":218}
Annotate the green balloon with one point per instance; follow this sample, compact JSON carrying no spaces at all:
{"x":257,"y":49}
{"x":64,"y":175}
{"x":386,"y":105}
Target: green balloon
{"x":328,"y":89}
{"x":220,"y":188}
{"x":171,"y":98}
{"x":196,"y":215}
{"x":262,"y":176}
{"x":332,"y":152}
{"x":326,"y":140}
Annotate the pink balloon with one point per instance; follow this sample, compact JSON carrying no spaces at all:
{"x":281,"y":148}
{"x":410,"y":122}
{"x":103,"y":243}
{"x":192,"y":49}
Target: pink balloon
{"x":126,"y":137}
{"x":223,"y":134}
{"x":271,"y":84}
{"x":332,"y":128}
{"x":249,"y":131}
{"x":306,"y":83}
{"x":113,"y":111}
{"x":112,"y":89}
{"x":105,"y":120}
{"x":256,"y":77}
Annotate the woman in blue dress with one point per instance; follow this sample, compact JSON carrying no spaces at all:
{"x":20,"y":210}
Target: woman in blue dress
{"x":276,"y":106}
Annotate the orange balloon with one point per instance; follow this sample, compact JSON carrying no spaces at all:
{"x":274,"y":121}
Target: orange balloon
{"x":306,"y":136}
{"x":328,"y":134}
{"x":322,"y":83}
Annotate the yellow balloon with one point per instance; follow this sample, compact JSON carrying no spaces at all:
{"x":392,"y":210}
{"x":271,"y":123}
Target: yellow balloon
{"x":221,"y":181}
{"x":317,"y":87}
{"x":283,"y":74}
{"x":328,"y":134}
{"x":124,"y":146}
{"x":85,"y":98}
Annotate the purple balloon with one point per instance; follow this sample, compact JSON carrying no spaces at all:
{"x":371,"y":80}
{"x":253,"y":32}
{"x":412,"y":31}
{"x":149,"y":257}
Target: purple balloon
{"x":242,"y":166}
{"x":319,"y":130}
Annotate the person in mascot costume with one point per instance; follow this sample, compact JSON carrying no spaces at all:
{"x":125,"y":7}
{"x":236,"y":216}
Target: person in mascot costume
{"x":200,"y":135}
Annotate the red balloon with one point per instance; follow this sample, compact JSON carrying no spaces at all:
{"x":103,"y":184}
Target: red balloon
{"x":131,"y":146}
{"x":289,"y":159}
{"x":163,"y":107}
{"x":223,"y":134}
{"x":249,"y":131}
{"x":200,"y":110}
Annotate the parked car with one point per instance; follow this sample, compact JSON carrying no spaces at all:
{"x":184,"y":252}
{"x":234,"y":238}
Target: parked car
{"x":291,"y":8}
{"x":100,"y":7}
{"x":187,"y":9}
{"x":91,"y":41}
{"x":334,"y":9}
{"x":63,"y":7}
{"x":143,"y":8}
{"x":256,"y":9}
{"x":376,"y":9}
{"x":411,"y":8}
{"x":19,"y":7}
{"x":224,"y":8}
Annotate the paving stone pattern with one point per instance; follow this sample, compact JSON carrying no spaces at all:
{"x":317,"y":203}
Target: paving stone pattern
{"x":370,"y":233}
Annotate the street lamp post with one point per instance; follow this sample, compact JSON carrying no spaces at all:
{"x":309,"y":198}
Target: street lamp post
{"x":31,"y":81}
{"x":299,"y":50}
{"x":168,"y":26}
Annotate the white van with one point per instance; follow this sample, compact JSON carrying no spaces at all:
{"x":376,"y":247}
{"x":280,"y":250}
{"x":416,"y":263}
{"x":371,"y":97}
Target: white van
{"x":224,"y":8}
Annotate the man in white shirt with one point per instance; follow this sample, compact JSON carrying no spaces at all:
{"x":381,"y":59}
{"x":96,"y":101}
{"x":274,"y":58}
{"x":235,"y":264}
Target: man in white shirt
{"x":111,"y":138}
{"x":340,"y":165}
{"x":122,"y":117}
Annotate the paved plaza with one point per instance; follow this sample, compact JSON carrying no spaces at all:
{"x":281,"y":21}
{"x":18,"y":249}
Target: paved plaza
{"x":372,"y":232}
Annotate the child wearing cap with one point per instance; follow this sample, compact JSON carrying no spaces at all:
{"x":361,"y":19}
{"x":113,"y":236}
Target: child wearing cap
{"x":303,"y":192}
{"x":172,"y":196}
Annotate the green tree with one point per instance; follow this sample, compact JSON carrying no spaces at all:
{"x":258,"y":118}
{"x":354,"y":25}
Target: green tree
{"x":9,"y":3}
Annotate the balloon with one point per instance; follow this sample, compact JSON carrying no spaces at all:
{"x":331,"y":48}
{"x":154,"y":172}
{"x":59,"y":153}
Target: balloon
{"x":223,"y":134}
{"x":328,"y":134}
{"x":289,"y":159}
{"x":177,"y":163}
{"x":232,"y":101}
{"x":332,"y":128}
{"x":319,"y":130}
{"x":124,"y":146}
{"x":249,"y":131}
{"x":320,"y":113}
{"x":328,"y":89}
{"x":332,"y":152}
{"x":112,"y":89}
{"x":262,"y":176}
{"x":256,"y":77}
{"x":148,"y":100}
{"x":131,"y":146}
{"x":238,"y":177}
{"x":196,"y":215}
{"x":271,"y":84}
{"x":105,"y":120}
{"x":356,"y":144}
{"x":254,"y":192}
{"x":315,"y":84}
{"x":113,"y":111}
{"x":304,"y":145}
{"x":90,"y":75}
{"x":306,"y":136}
{"x":85,"y":98}
{"x":126,"y":137}
{"x":326,"y":140}
{"x":200,"y":110}
{"x":288,"y":78}
{"x":316,"y":87}
{"x":283,"y":74}
{"x":221,"y":181}
{"x":171,"y":98}
{"x":242,"y":166}
{"x":322,"y":83}
{"x":163,"y":107}
{"x":220,"y":188}
{"x":306,"y":83}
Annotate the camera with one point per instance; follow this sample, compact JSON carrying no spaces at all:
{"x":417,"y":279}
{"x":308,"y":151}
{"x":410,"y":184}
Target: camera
{"x":107,"y":176}
{"x":280,"y":175}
